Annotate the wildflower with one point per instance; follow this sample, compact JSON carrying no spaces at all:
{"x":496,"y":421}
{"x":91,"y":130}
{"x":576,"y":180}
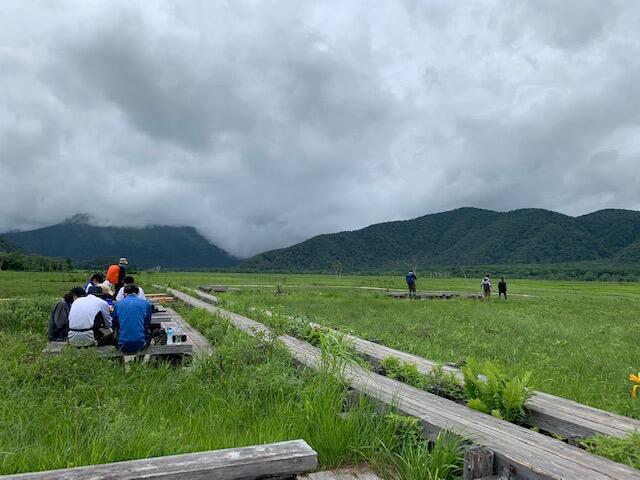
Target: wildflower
{"x":635,"y":379}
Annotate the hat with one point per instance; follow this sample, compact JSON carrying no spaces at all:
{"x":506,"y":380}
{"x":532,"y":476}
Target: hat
{"x":95,"y":290}
{"x":123,"y":261}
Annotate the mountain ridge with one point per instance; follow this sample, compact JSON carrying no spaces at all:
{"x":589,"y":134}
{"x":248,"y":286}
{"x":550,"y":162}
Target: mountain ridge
{"x":86,"y":245}
{"x":465,"y":236}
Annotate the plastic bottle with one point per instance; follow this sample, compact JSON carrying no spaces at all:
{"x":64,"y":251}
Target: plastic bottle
{"x":178,"y":334}
{"x":169,"y":336}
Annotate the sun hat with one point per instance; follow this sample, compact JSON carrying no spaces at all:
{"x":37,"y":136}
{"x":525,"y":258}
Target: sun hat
{"x":123,"y":261}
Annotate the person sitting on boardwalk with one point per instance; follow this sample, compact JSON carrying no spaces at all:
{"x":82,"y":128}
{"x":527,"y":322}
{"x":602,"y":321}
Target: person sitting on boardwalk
{"x":411,"y":282}
{"x":486,"y":286}
{"x":128,"y":280}
{"x":502,"y":288}
{"x":96,"y":279}
{"x":90,"y":321}
{"x":58,"y":328}
{"x":132,"y":317}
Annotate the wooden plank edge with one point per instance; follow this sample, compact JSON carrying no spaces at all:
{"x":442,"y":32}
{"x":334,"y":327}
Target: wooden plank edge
{"x":258,"y":461}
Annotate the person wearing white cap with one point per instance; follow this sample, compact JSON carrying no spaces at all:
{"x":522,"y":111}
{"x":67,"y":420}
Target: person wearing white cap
{"x":116,"y":273}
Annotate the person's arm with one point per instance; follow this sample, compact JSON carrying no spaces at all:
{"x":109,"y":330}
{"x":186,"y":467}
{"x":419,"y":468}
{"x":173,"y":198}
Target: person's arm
{"x":104,"y":308}
{"x":142,"y":295}
{"x":115,"y":320}
{"x":147,"y":319}
{"x":61,"y":316}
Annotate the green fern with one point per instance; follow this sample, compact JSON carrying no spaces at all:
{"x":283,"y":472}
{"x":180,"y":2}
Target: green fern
{"x":479,"y":405}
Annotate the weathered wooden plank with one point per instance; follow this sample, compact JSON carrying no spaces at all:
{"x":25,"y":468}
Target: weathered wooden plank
{"x":213,"y":288}
{"x":478,"y":463}
{"x":201,"y":346}
{"x":260,"y":461}
{"x":54,"y":348}
{"x":342,"y":474}
{"x":548,"y":412}
{"x":205,"y":296}
{"x":521,"y":452}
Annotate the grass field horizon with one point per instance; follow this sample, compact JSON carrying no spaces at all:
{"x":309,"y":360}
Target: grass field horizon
{"x":577,"y":338}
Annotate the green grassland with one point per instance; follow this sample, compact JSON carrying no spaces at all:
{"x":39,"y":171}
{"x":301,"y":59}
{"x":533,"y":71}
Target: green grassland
{"x":78,"y":409}
{"x":579,"y":339}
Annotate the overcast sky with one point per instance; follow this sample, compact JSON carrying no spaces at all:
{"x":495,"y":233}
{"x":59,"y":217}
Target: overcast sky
{"x":263,"y":123}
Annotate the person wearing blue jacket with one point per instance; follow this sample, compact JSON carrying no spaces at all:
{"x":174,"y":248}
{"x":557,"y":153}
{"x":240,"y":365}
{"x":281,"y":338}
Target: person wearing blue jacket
{"x":132,"y":317}
{"x":411,"y":283}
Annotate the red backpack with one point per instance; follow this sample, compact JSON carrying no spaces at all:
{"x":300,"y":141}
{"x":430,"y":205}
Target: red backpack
{"x":113,"y":274}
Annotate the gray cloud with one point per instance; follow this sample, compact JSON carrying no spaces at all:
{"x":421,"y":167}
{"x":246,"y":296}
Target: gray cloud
{"x":263,"y":123}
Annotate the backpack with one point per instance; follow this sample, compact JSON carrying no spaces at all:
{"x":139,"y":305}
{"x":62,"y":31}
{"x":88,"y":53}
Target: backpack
{"x":113,"y":274}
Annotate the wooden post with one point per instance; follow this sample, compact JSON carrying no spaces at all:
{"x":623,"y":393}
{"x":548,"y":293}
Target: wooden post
{"x":478,"y":463}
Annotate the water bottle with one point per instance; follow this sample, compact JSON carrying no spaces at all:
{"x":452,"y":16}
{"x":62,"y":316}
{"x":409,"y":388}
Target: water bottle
{"x":178,"y":334}
{"x":169,"y":336}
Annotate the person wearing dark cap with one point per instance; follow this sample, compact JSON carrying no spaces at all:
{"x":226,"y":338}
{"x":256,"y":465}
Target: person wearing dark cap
{"x":96,"y":279}
{"x":58,"y":328}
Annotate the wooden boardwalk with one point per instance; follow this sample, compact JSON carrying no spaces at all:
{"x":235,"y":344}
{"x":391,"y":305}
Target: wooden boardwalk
{"x":201,"y":346}
{"x":550,"y":413}
{"x":518,"y":451}
{"x":434,"y":295}
{"x":342,"y":474}
{"x":259,"y":462}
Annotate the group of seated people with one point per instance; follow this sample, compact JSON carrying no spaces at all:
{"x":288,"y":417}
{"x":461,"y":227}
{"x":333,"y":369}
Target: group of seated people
{"x":94,"y":316}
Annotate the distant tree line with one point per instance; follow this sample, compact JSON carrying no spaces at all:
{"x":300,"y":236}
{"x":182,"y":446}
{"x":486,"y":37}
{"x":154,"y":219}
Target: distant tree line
{"x":33,"y":263}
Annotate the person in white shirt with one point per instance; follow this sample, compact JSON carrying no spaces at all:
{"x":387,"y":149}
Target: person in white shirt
{"x":88,"y":318}
{"x":129,"y":280}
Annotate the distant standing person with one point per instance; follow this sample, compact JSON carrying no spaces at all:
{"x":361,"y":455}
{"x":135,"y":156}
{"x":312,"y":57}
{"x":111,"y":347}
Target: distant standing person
{"x":116,"y":273}
{"x":486,"y":287}
{"x":502,"y":288}
{"x":411,"y":283}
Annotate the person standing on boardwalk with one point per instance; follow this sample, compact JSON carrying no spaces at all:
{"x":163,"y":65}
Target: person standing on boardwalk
{"x":411,"y":283}
{"x":116,"y":274}
{"x":486,"y":287}
{"x":502,"y":288}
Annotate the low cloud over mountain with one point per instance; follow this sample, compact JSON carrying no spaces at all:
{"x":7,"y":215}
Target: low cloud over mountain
{"x":262,"y":124}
